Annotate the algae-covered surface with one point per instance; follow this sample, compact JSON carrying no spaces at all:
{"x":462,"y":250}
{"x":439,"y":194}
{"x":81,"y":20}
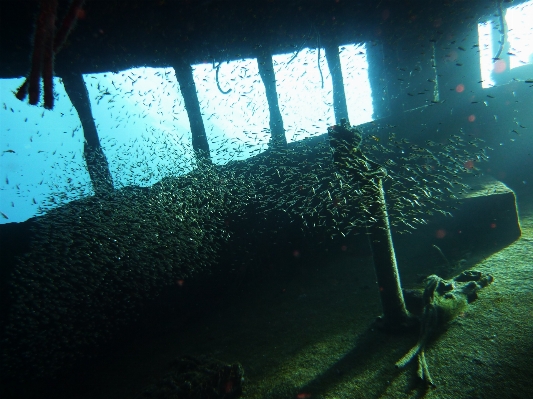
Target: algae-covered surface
{"x":313,"y":337}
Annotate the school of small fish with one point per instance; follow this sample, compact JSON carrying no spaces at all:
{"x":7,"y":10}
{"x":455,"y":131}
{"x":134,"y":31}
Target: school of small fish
{"x":95,"y":261}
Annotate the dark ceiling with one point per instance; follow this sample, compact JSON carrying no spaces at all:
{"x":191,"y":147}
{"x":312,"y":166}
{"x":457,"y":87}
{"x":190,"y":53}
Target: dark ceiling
{"x":119,"y":34}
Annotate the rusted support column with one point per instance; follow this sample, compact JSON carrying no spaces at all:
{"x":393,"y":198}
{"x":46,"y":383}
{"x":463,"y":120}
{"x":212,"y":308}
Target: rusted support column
{"x":266,"y":70}
{"x":200,"y":144}
{"x":339,"y":96}
{"x":395,"y":314}
{"x":95,"y":158}
{"x":345,"y":140}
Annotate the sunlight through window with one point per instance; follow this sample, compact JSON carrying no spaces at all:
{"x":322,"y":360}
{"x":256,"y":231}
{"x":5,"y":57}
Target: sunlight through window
{"x":144,"y":127}
{"x":41,"y":160}
{"x":520,"y":51}
{"x":354,"y":66}
{"x":142,"y":124}
{"x":235,"y":112}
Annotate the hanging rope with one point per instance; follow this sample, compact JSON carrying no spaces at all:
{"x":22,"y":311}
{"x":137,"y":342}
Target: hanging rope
{"x":218,"y":83}
{"x":46,"y":44}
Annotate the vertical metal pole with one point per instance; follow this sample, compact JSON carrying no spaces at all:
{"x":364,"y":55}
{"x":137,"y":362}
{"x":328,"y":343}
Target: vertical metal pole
{"x":266,"y":70}
{"x":95,"y":158}
{"x":345,"y":140}
{"x":200,"y":144}
{"x":339,"y":96}
{"x":395,"y":314}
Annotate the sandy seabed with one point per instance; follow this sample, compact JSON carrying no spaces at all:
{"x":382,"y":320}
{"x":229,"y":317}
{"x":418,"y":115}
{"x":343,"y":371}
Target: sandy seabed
{"x":313,"y":337}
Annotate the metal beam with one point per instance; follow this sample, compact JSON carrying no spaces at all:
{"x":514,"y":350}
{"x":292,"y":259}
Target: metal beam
{"x":97,"y":164}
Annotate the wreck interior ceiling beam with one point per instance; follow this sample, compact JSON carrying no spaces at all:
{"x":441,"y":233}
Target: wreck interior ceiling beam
{"x":117,"y":35}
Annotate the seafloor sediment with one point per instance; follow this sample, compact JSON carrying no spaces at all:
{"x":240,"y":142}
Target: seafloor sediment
{"x":312,"y":336}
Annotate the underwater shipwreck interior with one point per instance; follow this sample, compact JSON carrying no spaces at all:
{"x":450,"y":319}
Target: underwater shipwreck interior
{"x":266,"y":199}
